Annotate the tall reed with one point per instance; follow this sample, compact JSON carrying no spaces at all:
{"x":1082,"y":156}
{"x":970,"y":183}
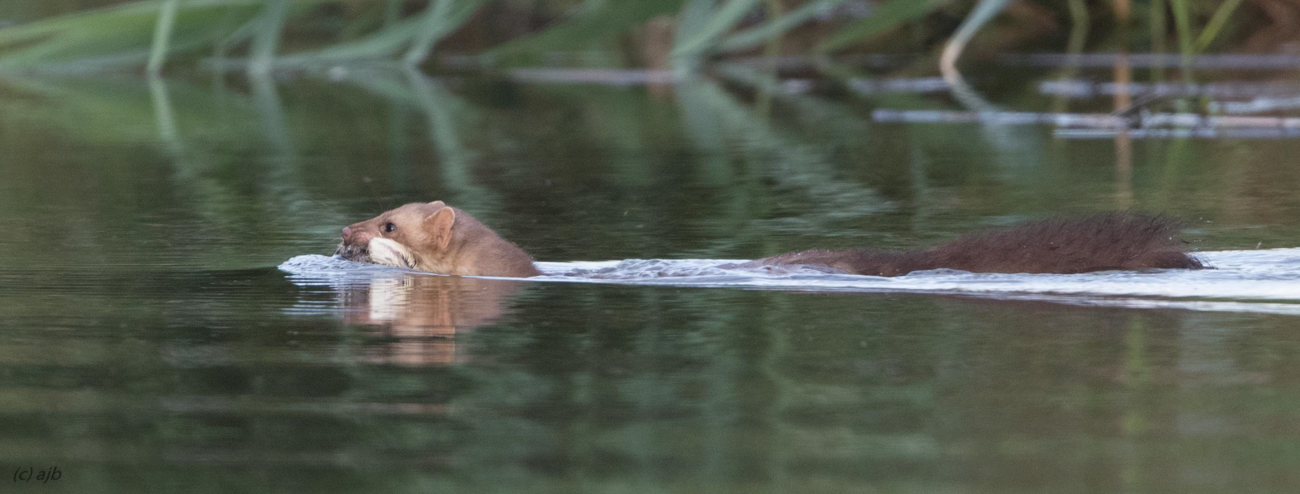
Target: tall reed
{"x":154,"y":32}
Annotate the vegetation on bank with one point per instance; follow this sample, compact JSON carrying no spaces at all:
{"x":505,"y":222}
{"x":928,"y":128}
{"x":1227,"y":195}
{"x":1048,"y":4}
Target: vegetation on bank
{"x":682,"y":34}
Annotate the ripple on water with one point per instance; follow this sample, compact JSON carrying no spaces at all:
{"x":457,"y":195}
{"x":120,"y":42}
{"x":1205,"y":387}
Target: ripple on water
{"x":1249,"y":281}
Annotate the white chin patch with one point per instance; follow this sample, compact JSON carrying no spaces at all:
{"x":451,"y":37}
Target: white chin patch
{"x":390,"y":253}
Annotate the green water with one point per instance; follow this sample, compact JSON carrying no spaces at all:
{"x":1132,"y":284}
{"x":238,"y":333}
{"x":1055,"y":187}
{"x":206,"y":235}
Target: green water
{"x":149,"y":344}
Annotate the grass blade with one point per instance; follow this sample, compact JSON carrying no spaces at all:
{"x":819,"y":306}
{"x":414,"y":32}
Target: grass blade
{"x":984,"y":12}
{"x":267,"y":39}
{"x":887,"y":15}
{"x":758,"y":35}
{"x":1183,"y":25}
{"x":593,"y":25}
{"x":1217,"y":21}
{"x":383,"y":43}
{"x":442,"y":18}
{"x":162,"y":36}
{"x":721,"y":21}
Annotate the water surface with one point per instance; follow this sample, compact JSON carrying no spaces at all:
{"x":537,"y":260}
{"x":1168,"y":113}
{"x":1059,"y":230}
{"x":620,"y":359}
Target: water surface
{"x":1242,"y":281}
{"x":151,"y":341}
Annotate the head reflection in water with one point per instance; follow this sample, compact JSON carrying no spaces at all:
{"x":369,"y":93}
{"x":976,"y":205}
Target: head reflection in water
{"x":425,"y":314}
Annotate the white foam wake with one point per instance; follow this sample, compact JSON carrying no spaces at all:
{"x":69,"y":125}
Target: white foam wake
{"x":1249,"y":281}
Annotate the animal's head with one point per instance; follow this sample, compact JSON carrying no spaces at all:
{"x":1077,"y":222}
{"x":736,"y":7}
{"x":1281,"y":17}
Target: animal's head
{"x":410,"y":236}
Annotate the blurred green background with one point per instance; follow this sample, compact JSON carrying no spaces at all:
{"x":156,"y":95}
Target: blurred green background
{"x":159,"y":160}
{"x":630,"y":33}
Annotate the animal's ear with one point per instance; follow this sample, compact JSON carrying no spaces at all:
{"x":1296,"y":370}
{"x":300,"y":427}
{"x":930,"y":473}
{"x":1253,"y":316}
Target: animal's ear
{"x":438,"y":204}
{"x":439,"y":227}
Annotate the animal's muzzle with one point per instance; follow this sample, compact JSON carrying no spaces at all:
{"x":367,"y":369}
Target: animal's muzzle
{"x":353,"y":252}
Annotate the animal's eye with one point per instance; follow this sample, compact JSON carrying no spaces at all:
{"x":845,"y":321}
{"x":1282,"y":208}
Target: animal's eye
{"x":389,"y":227}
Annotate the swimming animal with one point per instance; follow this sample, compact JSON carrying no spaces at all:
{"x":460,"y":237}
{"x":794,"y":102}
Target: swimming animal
{"x":442,"y":239}
{"x":437,"y":238}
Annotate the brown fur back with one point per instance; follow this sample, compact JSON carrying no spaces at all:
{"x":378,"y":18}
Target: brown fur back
{"x":1101,"y":242}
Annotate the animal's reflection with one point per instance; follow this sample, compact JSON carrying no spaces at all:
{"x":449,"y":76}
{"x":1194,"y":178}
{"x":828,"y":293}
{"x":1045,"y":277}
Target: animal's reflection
{"x":425,"y":315}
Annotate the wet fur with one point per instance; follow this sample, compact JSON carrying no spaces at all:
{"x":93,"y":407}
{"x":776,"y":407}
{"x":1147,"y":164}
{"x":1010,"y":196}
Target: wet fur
{"x":1101,"y":242}
{"x":441,"y":239}
{"x":436,"y":238}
